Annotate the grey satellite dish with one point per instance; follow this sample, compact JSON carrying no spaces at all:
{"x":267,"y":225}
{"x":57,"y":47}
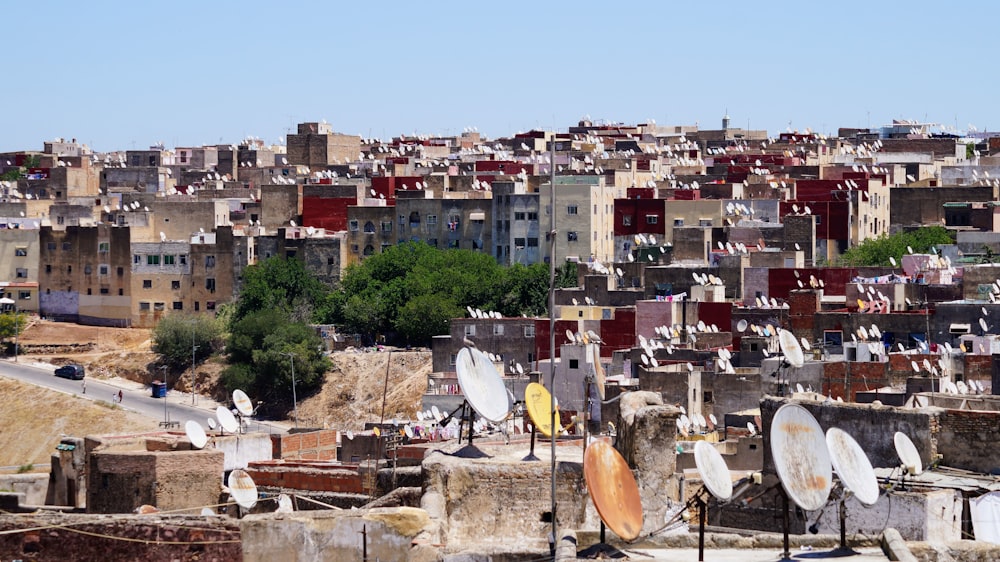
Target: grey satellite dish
{"x":713,"y":470}
{"x":741,"y":326}
{"x":852,"y":465}
{"x":801,"y":458}
{"x":226,"y":419}
{"x":908,"y":454}
{"x":242,"y":488}
{"x":195,"y":434}
{"x":243,"y":404}
{"x":481,"y":384}
{"x":211,"y":424}
{"x":790,"y":347}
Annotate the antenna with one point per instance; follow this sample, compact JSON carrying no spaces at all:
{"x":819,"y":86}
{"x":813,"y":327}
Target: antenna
{"x":195,"y":434}
{"x":226,"y":419}
{"x":242,"y":488}
{"x":613,"y":490}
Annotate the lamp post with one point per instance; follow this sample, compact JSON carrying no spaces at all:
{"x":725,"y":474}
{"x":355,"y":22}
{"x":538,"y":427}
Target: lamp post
{"x":193,"y":349}
{"x":5,"y":301}
{"x":295,"y":402}
{"x":166,"y":417}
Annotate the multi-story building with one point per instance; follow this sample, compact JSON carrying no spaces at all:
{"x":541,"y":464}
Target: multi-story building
{"x":456,"y":220}
{"x":584,"y":218}
{"x":517,"y":232}
{"x":317,"y":146}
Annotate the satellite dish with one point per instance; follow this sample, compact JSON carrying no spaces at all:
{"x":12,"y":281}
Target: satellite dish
{"x":284,"y":504}
{"x":350,"y":435}
{"x":538,"y":402}
{"x":790,"y":347}
{"x":892,"y":260}
{"x":741,"y":326}
{"x":852,"y":465}
{"x":645,"y":359}
{"x":226,"y":419}
{"x":570,"y":337}
{"x":519,"y":369}
{"x":915,"y":366}
{"x":207,"y":512}
{"x":751,"y":428}
{"x":713,"y":419}
{"x":798,"y":388}
{"x":907,"y":453}
{"x":436,"y":412}
{"x":801,"y":458}
{"x":242,"y":488}
{"x":211,"y":424}
{"x":243,"y":404}
{"x":713,"y":470}
{"x":481,"y":384}
{"x":195,"y":434}
{"x":613,"y":490}
{"x":408,"y":431}
{"x":420,"y":416}
{"x":984,"y":325}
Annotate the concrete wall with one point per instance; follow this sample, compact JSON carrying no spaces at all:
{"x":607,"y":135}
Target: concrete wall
{"x":933,"y":516}
{"x":119,"y":482}
{"x":32,"y":485}
{"x":242,"y":449}
{"x":334,"y":535}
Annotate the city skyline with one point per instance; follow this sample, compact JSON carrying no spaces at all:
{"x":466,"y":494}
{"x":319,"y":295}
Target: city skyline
{"x":133,"y":75}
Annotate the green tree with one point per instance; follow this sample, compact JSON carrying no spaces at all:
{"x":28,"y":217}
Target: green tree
{"x":877,"y":251}
{"x":279,"y":283}
{"x":11,"y":325}
{"x":176,"y":335}
{"x":426,"y":316}
{"x":261,"y":347}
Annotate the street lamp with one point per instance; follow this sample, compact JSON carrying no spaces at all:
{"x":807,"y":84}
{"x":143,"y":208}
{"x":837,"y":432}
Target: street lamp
{"x":295,"y":402}
{"x":193,"y":349}
{"x":166,"y":416}
{"x":5,"y":301}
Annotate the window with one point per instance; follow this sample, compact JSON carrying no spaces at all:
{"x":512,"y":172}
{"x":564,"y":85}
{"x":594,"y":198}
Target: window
{"x":354,"y":248}
{"x":104,"y":290}
{"x":386,"y":226}
{"x":60,"y":220}
{"x":519,"y":243}
{"x":571,"y":209}
{"x":571,"y":236}
{"x":533,"y":216}
{"x":353,"y":225}
{"x":532,"y":242}
{"x":175,"y":285}
{"x":369,"y":227}
{"x":519,"y":216}
{"x":209,"y":261}
{"x":178,"y":305}
{"x":121,"y":271}
{"x":102,"y":269}
{"x":121,"y":292}
{"x":626,"y":220}
{"x":136,"y":259}
{"x":158,"y":306}
{"x":452,"y":358}
{"x":197,"y":306}
{"x":153,"y":259}
{"x":104,"y":247}
{"x":51,"y":246}
{"x":209,"y":305}
{"x":470,"y":329}
{"x":143,"y":306}
{"x":67,"y":247}
{"x":529,"y":331}
{"x":652,"y":219}
{"x":21,"y":273}
{"x":48,"y":268}
{"x":69,"y":269}
{"x":498,"y":329}
{"x":678,"y":222}
{"x":90,"y":291}
{"x":24,"y":295}
{"x":574,"y":363}
{"x":183,"y":259}
{"x":20,"y":251}
{"x":210,"y":284}
{"x":87,"y":269}
{"x":704,"y":222}
{"x":147,"y":283}
{"x":169,"y":260}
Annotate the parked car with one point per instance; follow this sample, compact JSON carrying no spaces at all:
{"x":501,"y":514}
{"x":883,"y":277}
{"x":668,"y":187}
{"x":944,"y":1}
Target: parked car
{"x":74,"y":372}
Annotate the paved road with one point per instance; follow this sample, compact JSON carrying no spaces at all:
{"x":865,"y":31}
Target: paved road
{"x":135,"y":396}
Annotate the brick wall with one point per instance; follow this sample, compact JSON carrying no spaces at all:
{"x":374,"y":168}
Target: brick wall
{"x":313,"y":445}
{"x":306,"y":476}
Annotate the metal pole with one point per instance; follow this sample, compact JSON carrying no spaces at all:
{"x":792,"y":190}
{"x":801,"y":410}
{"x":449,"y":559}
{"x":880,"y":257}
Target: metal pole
{"x":295,"y":401}
{"x":17,"y":331}
{"x":552,"y":327}
{"x":166,"y":416}
{"x":701,"y":530}
{"x":193,"y":349}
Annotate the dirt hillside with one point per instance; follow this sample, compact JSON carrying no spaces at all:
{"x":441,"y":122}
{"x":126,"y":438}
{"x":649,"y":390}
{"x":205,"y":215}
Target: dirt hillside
{"x":34,"y":419}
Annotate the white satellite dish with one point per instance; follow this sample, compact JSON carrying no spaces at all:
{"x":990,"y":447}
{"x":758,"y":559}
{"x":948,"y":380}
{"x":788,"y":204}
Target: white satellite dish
{"x":242,"y":488}
{"x":984,"y":325}
{"x":790,"y":347}
{"x":481,"y":384}
{"x":907,"y":453}
{"x":408,"y":431}
{"x":741,"y":326}
{"x":284,"y":504}
{"x":519,"y":369}
{"x":751,"y":428}
{"x":350,"y":435}
{"x":852,"y":465}
{"x":243,"y":404}
{"x":195,"y":434}
{"x":570,"y":336}
{"x":801,"y":458}
{"x":962,"y":387}
{"x":892,"y":260}
{"x":645,"y":359}
{"x":805,"y":344}
{"x":799,"y":388}
{"x":915,"y":366}
{"x":420,"y":415}
{"x":211,"y":423}
{"x":436,"y":412}
{"x":713,"y":419}
{"x":713,"y":470}
{"x":207,"y":512}
{"x":226,"y":419}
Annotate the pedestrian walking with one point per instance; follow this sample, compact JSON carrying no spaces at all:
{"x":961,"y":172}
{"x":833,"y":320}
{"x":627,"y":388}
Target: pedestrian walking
{"x":119,"y":397}
{"x":84,"y":386}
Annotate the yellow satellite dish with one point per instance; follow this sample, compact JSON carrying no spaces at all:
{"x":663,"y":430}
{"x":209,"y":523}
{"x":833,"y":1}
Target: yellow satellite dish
{"x":539,"y":404}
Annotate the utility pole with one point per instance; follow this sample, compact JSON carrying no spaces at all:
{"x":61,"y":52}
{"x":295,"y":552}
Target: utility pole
{"x":193,"y":349}
{"x":295,"y":402}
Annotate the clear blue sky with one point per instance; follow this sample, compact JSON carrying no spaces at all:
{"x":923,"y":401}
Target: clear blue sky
{"x":120,"y":75}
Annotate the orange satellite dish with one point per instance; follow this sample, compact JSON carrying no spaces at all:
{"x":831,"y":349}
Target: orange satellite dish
{"x":613,"y":490}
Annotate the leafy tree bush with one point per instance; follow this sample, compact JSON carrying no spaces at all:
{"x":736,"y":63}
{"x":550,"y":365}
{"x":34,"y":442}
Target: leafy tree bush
{"x":877,"y":251}
{"x":261,"y":348}
{"x":282,"y":284}
{"x":174,"y":336}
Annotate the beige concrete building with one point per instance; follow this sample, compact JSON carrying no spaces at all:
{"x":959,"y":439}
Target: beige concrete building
{"x":317,"y":146}
{"x":584,"y":218}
